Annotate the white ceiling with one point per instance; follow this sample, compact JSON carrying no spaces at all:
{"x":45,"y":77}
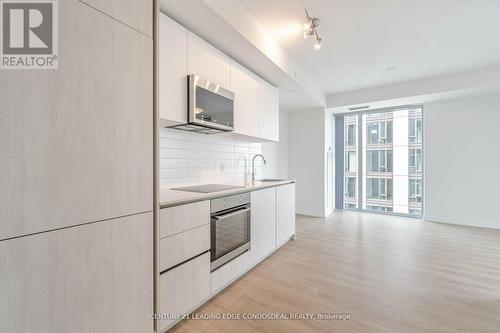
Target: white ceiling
{"x":362,"y":38}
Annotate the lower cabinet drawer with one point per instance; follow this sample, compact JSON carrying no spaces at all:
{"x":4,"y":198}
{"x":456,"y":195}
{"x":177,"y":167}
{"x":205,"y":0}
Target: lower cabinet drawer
{"x":184,"y":217}
{"x":183,"y":246}
{"x":183,"y":288}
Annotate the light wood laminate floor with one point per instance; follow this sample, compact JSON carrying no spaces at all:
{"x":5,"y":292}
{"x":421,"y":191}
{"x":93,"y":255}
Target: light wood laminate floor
{"x":390,"y":274}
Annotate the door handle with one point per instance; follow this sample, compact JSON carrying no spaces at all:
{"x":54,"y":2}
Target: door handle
{"x":225,"y":216}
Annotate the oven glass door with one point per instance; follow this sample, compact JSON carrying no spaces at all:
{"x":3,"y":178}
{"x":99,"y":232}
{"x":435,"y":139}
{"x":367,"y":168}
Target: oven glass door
{"x":229,"y":231}
{"x":213,"y":108}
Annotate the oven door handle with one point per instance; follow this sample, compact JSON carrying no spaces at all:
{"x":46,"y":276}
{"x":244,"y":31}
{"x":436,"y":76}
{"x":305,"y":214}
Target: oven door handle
{"x":225,"y":216}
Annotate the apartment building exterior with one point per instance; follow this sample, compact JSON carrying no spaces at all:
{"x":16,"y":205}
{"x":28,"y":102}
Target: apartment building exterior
{"x":386,"y":176}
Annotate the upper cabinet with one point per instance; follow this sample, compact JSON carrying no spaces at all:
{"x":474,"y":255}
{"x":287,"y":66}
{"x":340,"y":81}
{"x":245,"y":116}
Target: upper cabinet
{"x":256,"y":102}
{"x":269,"y":111}
{"x":245,"y":86}
{"x":173,"y":59}
{"x":207,"y":62}
{"x":84,"y":133}
{"x":256,"y":105}
{"x":134,"y":13}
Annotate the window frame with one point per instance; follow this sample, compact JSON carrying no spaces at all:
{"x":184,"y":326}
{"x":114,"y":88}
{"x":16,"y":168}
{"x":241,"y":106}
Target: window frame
{"x":376,"y":116}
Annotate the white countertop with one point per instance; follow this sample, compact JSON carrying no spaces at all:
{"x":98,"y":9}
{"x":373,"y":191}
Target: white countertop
{"x":169,"y":197}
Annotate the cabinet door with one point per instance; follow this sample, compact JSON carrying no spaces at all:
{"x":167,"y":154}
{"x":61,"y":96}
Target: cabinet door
{"x":92,"y":278}
{"x":76,"y":142}
{"x":208,"y":62}
{"x":285,"y":213}
{"x":269,"y":111}
{"x":184,"y":287}
{"x":246,"y":101}
{"x":227,"y":273}
{"x":263,"y":228}
{"x":134,"y":13}
{"x":183,"y":246}
{"x":173,"y":58}
{"x":174,"y":220}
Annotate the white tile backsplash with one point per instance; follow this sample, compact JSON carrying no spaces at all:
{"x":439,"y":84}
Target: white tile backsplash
{"x":187,"y":158}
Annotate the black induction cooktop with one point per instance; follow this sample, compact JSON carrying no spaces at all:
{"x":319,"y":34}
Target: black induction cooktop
{"x":207,"y":188}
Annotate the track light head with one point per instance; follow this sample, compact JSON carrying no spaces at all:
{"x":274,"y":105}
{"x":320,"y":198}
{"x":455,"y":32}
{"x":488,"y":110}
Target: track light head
{"x":310,"y":29}
{"x":317,"y":45}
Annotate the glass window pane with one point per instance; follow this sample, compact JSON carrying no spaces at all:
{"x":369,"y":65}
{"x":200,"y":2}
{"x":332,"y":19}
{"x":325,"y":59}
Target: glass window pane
{"x":350,"y":161}
{"x":372,"y":188}
{"x":419,"y":130}
{"x":389,"y":132}
{"x":418,"y":159}
{"x":382,"y":161}
{"x":382,"y":187}
{"x":389,"y":161}
{"x":385,"y":170}
{"x":351,"y":187}
{"x":351,"y":135}
{"x":389,"y":189}
{"x":372,"y":133}
{"x":382,"y":130}
{"x":373,"y":161}
{"x":351,"y":156}
{"x":412,"y":130}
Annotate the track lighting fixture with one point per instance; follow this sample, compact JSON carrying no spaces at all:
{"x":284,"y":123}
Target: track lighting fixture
{"x":317,"y":45}
{"x":310,"y":27}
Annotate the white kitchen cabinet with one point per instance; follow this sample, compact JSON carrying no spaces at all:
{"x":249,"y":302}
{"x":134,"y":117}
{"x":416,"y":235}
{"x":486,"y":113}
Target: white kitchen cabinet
{"x":91,"y":278}
{"x":269,"y":111}
{"x":181,"y":218}
{"x":256,"y":102}
{"x":77,"y":142}
{"x":134,"y":13}
{"x":229,"y":272}
{"x":207,"y":62}
{"x":263,"y":228}
{"x":173,"y":71}
{"x":183,"y":246}
{"x":285,"y":213}
{"x":184,"y":287}
{"x":245,"y":86}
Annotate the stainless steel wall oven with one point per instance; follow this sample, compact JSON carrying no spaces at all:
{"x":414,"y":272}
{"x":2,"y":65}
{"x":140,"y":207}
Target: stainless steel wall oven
{"x":229,"y":228}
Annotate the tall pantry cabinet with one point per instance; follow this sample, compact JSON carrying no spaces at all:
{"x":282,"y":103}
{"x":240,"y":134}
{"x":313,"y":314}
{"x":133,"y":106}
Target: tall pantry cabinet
{"x":76,"y":188}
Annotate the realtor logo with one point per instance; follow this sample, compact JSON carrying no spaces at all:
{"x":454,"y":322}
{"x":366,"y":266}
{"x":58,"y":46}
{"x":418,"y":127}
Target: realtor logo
{"x":29,"y":34}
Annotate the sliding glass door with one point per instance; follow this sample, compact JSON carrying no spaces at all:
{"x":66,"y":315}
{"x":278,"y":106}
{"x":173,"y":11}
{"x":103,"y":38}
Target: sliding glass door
{"x":383,"y":161}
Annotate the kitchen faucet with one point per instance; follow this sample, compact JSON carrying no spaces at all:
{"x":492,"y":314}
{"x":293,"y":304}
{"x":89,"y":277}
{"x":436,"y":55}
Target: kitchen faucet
{"x":253,"y":165}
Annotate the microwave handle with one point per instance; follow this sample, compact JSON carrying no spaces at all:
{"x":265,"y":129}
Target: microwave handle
{"x":225,"y":216}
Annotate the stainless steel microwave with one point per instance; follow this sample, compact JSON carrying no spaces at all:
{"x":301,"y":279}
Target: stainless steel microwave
{"x":210,"y":107}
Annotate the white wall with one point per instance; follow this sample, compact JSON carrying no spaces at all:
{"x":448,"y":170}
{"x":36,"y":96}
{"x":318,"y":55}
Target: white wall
{"x":462,"y":161}
{"x":189,"y":158}
{"x":277,"y":153}
{"x":306,"y":160}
